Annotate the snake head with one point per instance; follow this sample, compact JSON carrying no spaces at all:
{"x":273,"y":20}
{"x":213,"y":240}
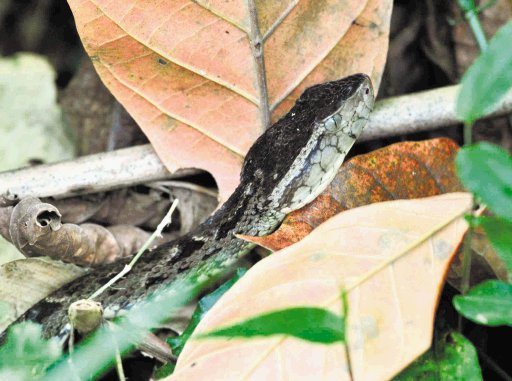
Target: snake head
{"x":295,"y":160}
{"x":330,"y":98}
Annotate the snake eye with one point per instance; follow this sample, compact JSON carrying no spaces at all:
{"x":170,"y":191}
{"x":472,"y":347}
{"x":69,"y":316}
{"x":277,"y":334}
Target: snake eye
{"x":367,"y":91}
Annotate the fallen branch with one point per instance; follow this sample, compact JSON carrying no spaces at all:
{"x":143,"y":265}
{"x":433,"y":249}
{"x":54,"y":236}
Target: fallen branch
{"x":95,"y":173}
{"x":417,"y":112}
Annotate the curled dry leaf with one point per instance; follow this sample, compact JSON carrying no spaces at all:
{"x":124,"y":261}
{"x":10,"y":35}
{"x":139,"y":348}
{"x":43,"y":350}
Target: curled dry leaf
{"x":400,"y":171}
{"x":200,"y":77}
{"x":36,"y":229}
{"x":390,"y":258}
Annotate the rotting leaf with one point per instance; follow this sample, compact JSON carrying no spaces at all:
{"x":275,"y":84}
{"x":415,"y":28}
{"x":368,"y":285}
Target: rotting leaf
{"x":189,"y":72}
{"x":400,"y":171}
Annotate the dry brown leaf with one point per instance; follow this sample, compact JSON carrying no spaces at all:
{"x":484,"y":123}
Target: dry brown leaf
{"x":402,"y":170}
{"x":37,"y":277}
{"x":191,"y":74}
{"x":390,"y":257}
{"x":36,"y":229}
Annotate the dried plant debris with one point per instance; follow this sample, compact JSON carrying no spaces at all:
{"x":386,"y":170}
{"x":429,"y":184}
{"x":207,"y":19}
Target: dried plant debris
{"x":63,"y":229}
{"x":36,"y":229}
{"x":99,"y":122}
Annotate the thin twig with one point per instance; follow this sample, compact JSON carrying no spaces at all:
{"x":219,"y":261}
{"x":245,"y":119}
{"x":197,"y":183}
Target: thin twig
{"x":127,"y":268}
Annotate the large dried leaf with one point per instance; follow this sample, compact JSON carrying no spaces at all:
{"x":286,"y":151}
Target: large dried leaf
{"x":400,"y":171}
{"x":390,"y":257}
{"x":27,"y":281}
{"x":190,"y":74}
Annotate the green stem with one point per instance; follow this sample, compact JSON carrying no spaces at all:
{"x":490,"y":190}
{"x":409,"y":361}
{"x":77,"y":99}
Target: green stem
{"x":477,"y":30}
{"x":466,"y":260}
{"x":468,"y":133}
{"x":471,"y":13}
{"x":466,"y":266}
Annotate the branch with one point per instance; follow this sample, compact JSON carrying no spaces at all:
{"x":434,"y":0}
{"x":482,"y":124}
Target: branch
{"x":89,"y":174}
{"x":95,"y":173}
{"x":416,"y":112}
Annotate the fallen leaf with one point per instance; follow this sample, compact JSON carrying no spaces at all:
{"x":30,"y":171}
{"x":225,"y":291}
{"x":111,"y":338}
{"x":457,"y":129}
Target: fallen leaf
{"x":192,"y":76}
{"x":389,"y":257}
{"x":36,"y":229}
{"x":400,"y":171}
{"x":37,"y":277}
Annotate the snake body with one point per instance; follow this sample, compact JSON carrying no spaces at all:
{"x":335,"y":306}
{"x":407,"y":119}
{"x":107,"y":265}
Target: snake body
{"x":286,"y":168}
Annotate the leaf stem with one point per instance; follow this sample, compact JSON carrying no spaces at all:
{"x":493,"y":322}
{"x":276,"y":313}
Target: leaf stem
{"x":344,"y":314}
{"x":466,"y":261}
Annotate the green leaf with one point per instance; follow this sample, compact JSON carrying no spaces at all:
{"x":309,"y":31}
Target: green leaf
{"x":308,"y":323}
{"x":488,"y":79}
{"x":489,"y":303}
{"x":453,"y":358}
{"x":164,"y":371}
{"x":25,"y":353}
{"x":203,"y":306}
{"x":486,"y":170}
{"x":499,"y":232}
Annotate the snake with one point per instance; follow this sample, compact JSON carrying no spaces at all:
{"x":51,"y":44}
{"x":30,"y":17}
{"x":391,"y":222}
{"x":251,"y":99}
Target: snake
{"x":287,"y":167}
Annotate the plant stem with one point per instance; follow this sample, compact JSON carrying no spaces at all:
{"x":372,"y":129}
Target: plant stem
{"x":471,"y":13}
{"x":158,"y":232}
{"x":477,"y":30}
{"x":468,"y":133}
{"x":466,"y":260}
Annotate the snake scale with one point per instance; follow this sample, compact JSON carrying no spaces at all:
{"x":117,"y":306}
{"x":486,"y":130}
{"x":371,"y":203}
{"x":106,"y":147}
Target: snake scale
{"x":286,"y":168}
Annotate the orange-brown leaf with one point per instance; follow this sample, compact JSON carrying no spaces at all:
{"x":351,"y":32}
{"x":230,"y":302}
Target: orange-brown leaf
{"x":389,"y":257}
{"x":400,"y":171}
{"x":187,"y":72}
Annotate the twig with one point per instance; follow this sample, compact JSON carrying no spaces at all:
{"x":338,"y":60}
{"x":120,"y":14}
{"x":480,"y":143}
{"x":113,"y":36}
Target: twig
{"x":417,"y":112}
{"x":101,"y":172}
{"x":89,"y":174}
{"x":158,"y":232}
